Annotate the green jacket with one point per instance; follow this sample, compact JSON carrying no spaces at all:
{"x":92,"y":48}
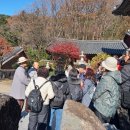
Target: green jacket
{"x":107,"y":95}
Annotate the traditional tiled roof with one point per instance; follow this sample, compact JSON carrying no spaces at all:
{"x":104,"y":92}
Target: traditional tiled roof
{"x":113,"y":47}
{"x":10,"y":55}
{"x":123,"y":8}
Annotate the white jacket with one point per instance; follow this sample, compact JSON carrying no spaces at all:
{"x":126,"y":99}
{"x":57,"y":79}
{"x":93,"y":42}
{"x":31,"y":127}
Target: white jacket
{"x":46,"y":90}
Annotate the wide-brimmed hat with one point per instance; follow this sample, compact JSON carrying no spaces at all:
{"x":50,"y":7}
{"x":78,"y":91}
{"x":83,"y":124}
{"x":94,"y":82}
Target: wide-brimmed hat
{"x":110,"y":64}
{"x":22,"y":59}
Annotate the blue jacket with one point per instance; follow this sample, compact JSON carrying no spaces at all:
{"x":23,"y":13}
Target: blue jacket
{"x":32,"y":72}
{"x":107,"y":95}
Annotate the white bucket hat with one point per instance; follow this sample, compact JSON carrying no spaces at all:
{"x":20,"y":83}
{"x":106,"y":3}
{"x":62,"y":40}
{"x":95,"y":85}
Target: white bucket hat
{"x":110,"y":64}
{"x":21,"y":60}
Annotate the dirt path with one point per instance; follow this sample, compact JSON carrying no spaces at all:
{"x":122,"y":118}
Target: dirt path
{"x":5,"y":86}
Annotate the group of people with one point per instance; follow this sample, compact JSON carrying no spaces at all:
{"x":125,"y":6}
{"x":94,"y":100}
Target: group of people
{"x":98,"y":90}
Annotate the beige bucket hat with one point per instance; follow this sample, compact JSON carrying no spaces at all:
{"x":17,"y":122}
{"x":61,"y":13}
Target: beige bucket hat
{"x":110,"y":64}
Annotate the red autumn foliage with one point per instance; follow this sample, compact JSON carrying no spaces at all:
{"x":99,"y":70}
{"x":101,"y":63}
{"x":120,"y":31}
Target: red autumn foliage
{"x":68,"y":49}
{"x":4,"y":47}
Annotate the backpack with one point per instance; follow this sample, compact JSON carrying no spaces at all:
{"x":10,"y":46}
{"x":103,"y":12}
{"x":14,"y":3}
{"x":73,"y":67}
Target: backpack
{"x":60,"y":94}
{"x":76,"y":92}
{"x":125,"y":95}
{"x":35,"y":101}
{"x":125,"y":98}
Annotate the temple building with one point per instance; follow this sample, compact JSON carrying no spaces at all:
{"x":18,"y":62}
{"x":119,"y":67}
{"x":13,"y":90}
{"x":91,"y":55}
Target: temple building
{"x":92,"y":47}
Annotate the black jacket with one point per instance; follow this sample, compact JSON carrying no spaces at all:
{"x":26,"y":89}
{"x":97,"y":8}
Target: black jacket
{"x":125,"y":74}
{"x":61,"y":82}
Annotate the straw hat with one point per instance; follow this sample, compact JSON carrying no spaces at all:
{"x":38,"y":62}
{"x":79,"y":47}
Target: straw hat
{"x":110,"y":64}
{"x":21,"y":60}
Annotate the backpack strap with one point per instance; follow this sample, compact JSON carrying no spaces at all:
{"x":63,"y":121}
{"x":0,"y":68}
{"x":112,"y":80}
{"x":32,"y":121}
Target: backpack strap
{"x":55,"y":84}
{"x":37,"y":87}
{"x":43,"y":84}
{"x":125,"y":81}
{"x":121,"y":82}
{"x":34,"y":83}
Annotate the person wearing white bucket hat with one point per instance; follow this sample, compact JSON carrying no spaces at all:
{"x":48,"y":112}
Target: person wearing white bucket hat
{"x":20,"y":81}
{"x":106,"y":97}
{"x":110,"y":64}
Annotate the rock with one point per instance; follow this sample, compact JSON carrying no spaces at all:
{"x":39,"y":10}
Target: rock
{"x":9,"y":113}
{"x":78,"y":117}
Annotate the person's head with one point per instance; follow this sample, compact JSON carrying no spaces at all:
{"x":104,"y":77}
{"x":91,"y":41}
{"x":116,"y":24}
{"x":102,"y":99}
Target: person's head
{"x":82,"y":68}
{"x":89,"y":73}
{"x":73,"y":76}
{"x":22,"y":61}
{"x":36,"y":65}
{"x":110,"y":64}
{"x":127,"y":55}
{"x":43,"y":72}
{"x":59,"y":70}
{"x":116,"y":57}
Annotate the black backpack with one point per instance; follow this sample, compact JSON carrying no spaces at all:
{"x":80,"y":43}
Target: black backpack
{"x":60,"y":91}
{"x":125,"y":98}
{"x":76,"y":92}
{"x":35,"y":101}
{"x":125,"y":95}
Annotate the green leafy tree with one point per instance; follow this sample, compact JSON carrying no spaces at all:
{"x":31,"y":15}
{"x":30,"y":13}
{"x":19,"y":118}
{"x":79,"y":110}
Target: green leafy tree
{"x":98,"y":59}
{"x":10,"y":36}
{"x":3,"y":19}
{"x":34,"y":54}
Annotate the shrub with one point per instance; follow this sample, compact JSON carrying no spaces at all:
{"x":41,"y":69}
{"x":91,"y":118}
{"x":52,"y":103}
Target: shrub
{"x":36,"y":55}
{"x":98,"y":59}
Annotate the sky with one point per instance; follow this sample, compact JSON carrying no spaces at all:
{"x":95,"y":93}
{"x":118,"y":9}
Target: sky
{"x":13,"y":7}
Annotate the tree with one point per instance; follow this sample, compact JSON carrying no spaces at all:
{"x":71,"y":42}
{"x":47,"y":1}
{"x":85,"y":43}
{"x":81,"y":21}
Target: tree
{"x":3,"y":19}
{"x":98,"y":59}
{"x":4,"y":47}
{"x":33,"y":54}
{"x":64,"y":49}
{"x":71,"y":19}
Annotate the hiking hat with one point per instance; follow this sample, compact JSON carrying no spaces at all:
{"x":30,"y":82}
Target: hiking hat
{"x":110,"y":64}
{"x":21,"y":60}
